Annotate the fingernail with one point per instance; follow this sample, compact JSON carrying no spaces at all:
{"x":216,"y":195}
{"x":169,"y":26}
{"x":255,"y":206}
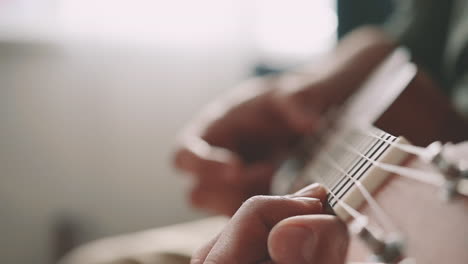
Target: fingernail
{"x":314,"y":190}
{"x":307,"y":199}
{"x":314,"y":203}
{"x":302,"y":244}
{"x":309,"y":190}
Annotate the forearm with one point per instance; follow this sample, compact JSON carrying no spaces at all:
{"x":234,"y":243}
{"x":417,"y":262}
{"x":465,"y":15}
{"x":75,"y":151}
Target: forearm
{"x":343,"y":71}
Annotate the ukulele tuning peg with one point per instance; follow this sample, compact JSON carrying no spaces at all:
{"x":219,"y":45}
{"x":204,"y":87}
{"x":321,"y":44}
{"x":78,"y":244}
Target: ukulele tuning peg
{"x":390,"y":251}
{"x":455,"y":173}
{"x":385,"y":249}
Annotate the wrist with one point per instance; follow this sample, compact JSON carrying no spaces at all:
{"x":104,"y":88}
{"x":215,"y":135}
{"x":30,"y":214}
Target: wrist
{"x":344,"y":70}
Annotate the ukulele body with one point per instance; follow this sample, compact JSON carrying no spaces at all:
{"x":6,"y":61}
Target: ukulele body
{"x":433,"y":230}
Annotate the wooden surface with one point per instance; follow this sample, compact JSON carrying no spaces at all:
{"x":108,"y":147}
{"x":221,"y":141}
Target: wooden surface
{"x":435,"y":231}
{"x":422,"y":114}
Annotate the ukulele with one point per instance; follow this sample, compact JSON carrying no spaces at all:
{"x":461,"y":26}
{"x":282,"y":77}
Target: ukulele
{"x":388,"y":188}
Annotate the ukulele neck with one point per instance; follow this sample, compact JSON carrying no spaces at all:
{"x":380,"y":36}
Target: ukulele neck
{"x":347,"y":159}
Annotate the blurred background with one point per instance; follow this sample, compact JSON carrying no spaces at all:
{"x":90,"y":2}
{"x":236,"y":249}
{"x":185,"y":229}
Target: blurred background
{"x":93,"y":92}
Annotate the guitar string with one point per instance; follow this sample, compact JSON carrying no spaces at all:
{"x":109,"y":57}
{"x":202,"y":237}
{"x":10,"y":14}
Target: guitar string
{"x":415,"y":174}
{"x":361,"y":166}
{"x":355,"y":163}
{"x":382,"y":217}
{"x":373,"y":204}
{"x":356,"y":215}
{"x":334,"y":114}
{"x":369,"y":147}
{"x":411,"y":173}
{"x":411,"y":149}
{"x":419,"y":175}
{"x":351,"y":211}
{"x":374,"y":149}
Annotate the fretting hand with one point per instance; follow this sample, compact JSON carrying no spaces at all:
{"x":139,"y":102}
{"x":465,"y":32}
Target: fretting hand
{"x":234,"y":147}
{"x":279,"y":230}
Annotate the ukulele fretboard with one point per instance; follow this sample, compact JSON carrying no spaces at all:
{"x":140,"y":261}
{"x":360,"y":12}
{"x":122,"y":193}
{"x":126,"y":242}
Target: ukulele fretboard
{"x":347,"y":157}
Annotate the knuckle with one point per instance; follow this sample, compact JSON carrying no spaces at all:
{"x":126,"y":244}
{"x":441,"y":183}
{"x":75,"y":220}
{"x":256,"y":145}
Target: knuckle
{"x":261,"y":203}
{"x":257,"y":201}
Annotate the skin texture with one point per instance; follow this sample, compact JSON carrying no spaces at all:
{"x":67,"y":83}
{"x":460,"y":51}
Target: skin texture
{"x":279,"y":229}
{"x":233,"y":147}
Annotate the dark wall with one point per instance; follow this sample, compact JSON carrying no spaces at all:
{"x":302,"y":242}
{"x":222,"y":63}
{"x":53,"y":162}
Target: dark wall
{"x":354,"y":13}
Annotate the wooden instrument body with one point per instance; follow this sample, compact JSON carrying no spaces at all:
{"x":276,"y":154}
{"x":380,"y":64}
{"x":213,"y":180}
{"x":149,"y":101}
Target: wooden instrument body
{"x":422,"y":114}
{"x":434,"y":230}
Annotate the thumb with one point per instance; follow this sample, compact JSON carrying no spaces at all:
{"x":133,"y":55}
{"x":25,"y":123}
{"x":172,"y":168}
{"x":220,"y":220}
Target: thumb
{"x":309,"y":239}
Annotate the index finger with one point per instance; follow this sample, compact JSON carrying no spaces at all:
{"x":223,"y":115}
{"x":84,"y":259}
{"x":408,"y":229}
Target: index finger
{"x":245,"y":238}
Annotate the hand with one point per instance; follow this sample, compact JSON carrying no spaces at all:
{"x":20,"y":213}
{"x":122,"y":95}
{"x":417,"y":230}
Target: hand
{"x":280,"y":230}
{"x":234,"y":147}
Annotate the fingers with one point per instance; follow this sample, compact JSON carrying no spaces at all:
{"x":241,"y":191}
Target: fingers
{"x":309,"y":239}
{"x":222,"y":183}
{"x":211,"y":168}
{"x":221,"y":200}
{"x":295,"y":240}
{"x":198,"y":157}
{"x":313,"y":190}
{"x":304,"y":120}
{"x":200,"y":255}
{"x":301,"y":109}
{"x":244,"y":239}
{"x":279,"y":230}
{"x":226,"y":196}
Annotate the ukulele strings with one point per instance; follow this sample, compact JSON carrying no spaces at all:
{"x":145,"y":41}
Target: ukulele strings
{"x":356,"y":215}
{"x":382,"y":217}
{"x":349,"y":209}
{"x":423,"y":176}
{"x":419,"y":175}
{"x":421,"y":152}
{"x":416,"y":174}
